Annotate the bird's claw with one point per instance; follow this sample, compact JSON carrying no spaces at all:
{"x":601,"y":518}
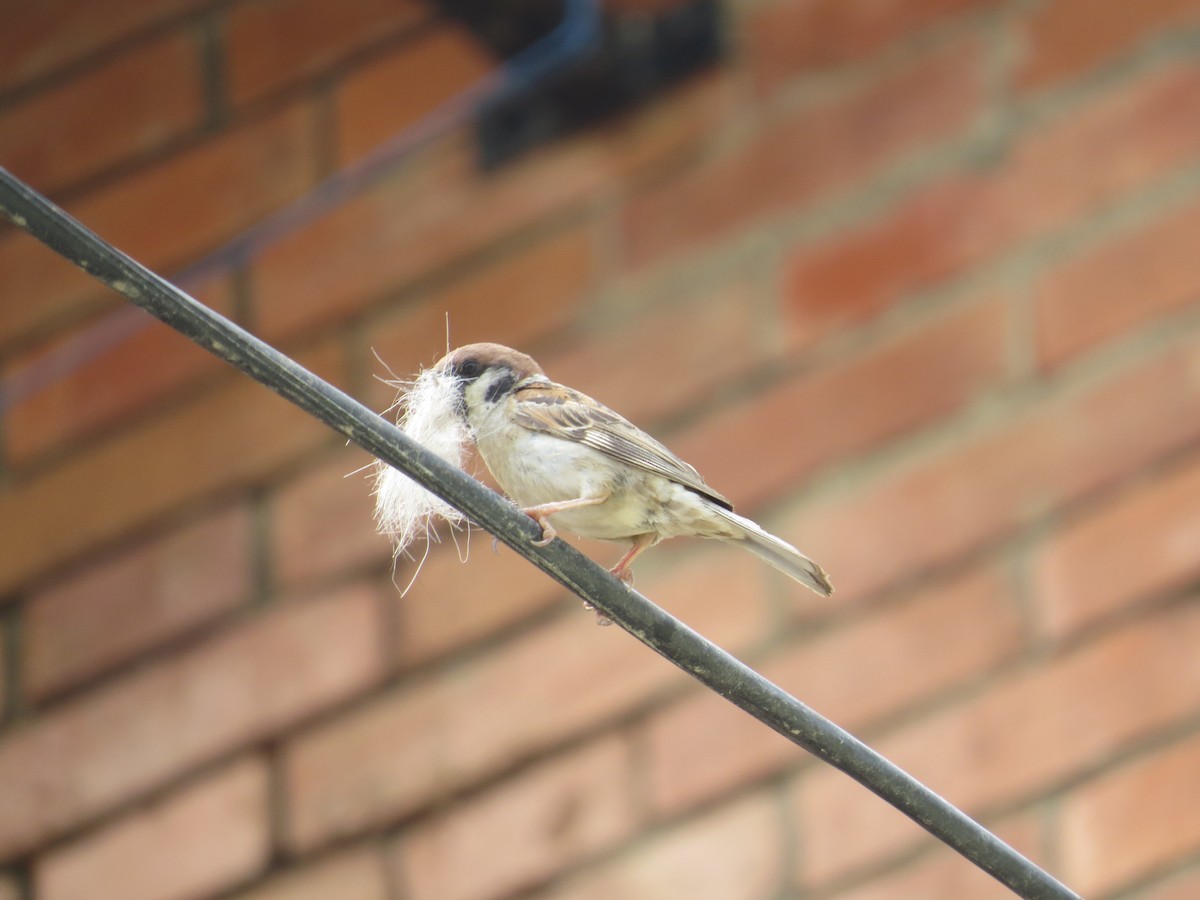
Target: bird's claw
{"x":623,"y":574}
{"x":601,"y":619}
{"x":548,"y":533}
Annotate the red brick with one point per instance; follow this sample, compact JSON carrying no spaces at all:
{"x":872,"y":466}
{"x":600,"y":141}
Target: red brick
{"x":125,"y":605}
{"x":730,"y":853}
{"x":69,"y":293}
{"x":720,"y":590}
{"x":831,"y":145}
{"x":1141,"y":544}
{"x":272,"y":44}
{"x":687,"y":349}
{"x":1110,"y":290}
{"x":1023,"y":736}
{"x":87,"y":396}
{"x":445,"y":608}
{"x":356,"y":875}
{"x":234,"y":435}
{"x":4,"y":686}
{"x":528,"y":829}
{"x":218,"y":189}
{"x":201,"y":840}
{"x":439,"y":209}
{"x":1080,"y":161}
{"x":1184,"y":886}
{"x":434,"y":67}
{"x":38,"y":38}
{"x":942,"y":874}
{"x":322,"y":522}
{"x":931,"y":509}
{"x":365,"y":768}
{"x":1068,"y":38}
{"x":803,"y":36}
{"x":407,"y":748}
{"x":112,"y":746}
{"x":74,"y":130}
{"x":854,"y":674}
{"x":1132,"y":820}
{"x":520,"y":298}
{"x":852,"y":277}
{"x":824,"y":417}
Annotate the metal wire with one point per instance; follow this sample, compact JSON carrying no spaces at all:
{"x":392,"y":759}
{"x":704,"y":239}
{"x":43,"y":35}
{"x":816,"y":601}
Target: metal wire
{"x":653,"y":626}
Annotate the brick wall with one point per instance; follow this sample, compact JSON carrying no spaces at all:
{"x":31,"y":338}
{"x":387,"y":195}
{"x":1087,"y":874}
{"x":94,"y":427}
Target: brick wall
{"x":916,"y":283}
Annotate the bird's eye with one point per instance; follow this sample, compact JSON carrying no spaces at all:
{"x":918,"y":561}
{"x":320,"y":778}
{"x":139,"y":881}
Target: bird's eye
{"x":470,"y":368}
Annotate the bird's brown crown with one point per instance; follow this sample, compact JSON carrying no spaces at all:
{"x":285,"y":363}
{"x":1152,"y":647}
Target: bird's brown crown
{"x":487,"y":355}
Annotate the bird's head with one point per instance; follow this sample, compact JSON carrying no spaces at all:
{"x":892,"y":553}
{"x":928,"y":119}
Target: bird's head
{"x":486,"y":374}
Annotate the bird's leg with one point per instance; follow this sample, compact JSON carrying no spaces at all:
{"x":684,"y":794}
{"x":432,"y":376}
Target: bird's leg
{"x":541,"y":514}
{"x":639,"y":545}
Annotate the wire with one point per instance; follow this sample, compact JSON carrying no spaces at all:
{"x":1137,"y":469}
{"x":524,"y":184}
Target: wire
{"x":653,"y":626}
{"x":577,"y":34}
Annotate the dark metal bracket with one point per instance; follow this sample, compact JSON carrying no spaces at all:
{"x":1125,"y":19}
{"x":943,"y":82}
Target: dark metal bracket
{"x":637,"y":55}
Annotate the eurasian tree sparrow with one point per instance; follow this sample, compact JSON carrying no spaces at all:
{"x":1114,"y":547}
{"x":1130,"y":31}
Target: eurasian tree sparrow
{"x":569,"y":461}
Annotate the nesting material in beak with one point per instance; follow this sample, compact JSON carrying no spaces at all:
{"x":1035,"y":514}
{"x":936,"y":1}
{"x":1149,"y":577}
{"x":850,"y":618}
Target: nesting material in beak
{"x":429,"y":415}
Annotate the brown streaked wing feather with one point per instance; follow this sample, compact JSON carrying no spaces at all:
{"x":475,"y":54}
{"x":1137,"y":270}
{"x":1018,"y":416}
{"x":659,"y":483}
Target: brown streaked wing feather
{"x":565,"y":413}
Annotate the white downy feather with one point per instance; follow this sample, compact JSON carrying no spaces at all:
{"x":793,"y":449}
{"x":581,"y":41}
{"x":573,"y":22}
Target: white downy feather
{"x":403,"y":509}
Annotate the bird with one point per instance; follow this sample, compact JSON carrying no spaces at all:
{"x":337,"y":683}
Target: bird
{"x":570,"y":462}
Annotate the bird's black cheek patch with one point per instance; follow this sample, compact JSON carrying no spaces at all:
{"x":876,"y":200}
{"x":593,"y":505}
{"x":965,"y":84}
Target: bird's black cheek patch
{"x":500,"y":387}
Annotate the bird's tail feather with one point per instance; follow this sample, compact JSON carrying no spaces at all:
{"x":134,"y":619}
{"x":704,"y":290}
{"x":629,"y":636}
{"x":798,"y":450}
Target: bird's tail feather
{"x":778,"y":553}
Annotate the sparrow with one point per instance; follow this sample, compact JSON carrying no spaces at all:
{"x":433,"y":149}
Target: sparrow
{"x":570,"y":462}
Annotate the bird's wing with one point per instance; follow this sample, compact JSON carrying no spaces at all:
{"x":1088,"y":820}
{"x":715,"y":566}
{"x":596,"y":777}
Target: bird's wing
{"x":553,"y":409}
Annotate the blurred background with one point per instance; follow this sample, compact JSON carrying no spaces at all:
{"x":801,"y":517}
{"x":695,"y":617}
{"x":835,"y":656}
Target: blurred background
{"x":916,"y":283}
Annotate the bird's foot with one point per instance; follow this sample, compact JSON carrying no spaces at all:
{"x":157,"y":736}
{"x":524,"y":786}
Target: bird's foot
{"x":548,"y":532}
{"x":637,"y":546}
{"x":622,"y":573}
{"x":541,"y":514}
